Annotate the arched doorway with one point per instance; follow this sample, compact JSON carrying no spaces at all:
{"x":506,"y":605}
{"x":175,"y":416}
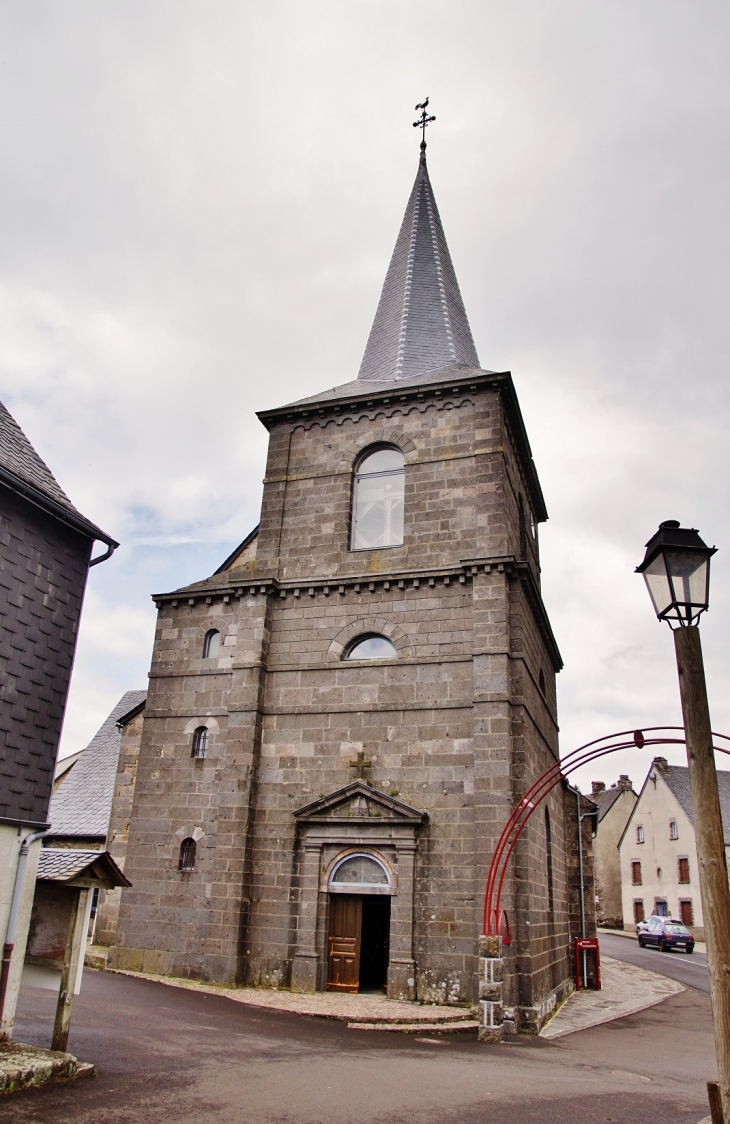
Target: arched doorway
{"x":360,"y":889}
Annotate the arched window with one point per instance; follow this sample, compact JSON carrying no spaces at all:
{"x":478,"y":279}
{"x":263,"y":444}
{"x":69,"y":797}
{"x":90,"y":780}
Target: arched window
{"x":377,"y":500}
{"x":371,"y":648}
{"x":187,"y":855}
{"x":200,"y":742}
{"x":211,"y":644}
{"x":359,"y":870}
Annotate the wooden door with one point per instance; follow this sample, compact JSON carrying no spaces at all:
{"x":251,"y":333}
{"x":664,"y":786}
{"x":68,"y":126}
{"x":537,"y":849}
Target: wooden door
{"x":685,"y":913}
{"x":344,"y":942}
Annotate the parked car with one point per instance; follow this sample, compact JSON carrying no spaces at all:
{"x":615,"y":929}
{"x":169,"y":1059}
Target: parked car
{"x":666,"y":933}
{"x":642,"y":926}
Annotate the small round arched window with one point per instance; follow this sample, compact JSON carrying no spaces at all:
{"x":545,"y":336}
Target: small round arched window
{"x":377,"y":500}
{"x":360,"y":870}
{"x":200,"y":742}
{"x":186,"y":861}
{"x":211,"y":644}
{"x":371,"y":648}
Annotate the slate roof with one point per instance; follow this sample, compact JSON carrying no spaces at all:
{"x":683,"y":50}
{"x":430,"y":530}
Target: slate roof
{"x":21,"y":465}
{"x":453,"y":372}
{"x":420,"y":323}
{"x":677,"y":778}
{"x":82,"y":803}
{"x":605,"y":800}
{"x":61,"y":864}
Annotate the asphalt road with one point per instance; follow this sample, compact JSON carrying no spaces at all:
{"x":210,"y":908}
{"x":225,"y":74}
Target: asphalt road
{"x":169,"y":1056}
{"x":689,"y":970}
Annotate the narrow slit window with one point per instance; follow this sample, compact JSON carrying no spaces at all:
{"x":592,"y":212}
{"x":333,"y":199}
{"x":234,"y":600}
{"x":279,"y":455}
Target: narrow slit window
{"x":639,"y":835}
{"x":377,"y":500}
{"x":673,"y":830}
{"x":212,"y":644}
{"x":549,"y":863}
{"x":187,"y":855}
{"x":200,"y":742}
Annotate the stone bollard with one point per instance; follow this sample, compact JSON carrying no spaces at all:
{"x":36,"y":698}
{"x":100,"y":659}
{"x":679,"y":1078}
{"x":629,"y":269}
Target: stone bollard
{"x":491,"y":1011}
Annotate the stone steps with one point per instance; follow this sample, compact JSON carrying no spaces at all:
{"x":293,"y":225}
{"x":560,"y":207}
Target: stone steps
{"x":451,"y":1026}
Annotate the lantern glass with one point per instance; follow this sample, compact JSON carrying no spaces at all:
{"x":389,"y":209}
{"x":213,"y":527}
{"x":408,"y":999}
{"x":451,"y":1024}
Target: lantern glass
{"x":689,"y":573}
{"x":658,"y":584}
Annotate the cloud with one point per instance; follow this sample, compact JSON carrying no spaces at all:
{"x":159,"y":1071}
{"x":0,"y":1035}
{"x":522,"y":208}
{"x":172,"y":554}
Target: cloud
{"x":198,"y":208}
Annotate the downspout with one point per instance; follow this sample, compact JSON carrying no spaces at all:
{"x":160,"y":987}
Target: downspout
{"x":13,"y":918}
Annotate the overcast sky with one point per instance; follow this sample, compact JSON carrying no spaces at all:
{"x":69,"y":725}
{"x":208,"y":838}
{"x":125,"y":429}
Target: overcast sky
{"x":198,"y":202}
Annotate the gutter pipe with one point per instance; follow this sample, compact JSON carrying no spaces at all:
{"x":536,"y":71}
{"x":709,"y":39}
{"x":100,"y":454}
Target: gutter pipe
{"x":13,"y":918}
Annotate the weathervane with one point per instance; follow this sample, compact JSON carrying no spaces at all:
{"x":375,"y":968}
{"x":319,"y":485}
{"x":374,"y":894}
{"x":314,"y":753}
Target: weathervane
{"x":423,"y":121}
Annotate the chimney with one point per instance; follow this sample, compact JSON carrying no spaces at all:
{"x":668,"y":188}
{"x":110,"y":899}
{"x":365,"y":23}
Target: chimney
{"x":661,"y":763}
{"x":596,"y":787}
{"x":624,"y":783}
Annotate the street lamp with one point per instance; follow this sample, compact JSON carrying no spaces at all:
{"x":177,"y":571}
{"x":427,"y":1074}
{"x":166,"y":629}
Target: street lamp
{"x":676,"y":570}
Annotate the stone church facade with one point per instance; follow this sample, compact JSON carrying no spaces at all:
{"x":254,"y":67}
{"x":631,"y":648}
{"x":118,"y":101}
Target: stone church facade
{"x":340,"y":719}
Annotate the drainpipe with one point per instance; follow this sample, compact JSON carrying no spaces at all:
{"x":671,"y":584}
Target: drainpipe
{"x":14,"y":907}
{"x":582,"y":892}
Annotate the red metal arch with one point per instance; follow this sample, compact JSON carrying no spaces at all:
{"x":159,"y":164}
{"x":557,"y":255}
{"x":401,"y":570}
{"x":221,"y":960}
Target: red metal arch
{"x":495,"y":918}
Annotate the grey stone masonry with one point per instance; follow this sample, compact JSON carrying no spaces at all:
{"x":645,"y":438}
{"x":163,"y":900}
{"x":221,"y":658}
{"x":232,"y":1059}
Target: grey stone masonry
{"x":454,"y":727}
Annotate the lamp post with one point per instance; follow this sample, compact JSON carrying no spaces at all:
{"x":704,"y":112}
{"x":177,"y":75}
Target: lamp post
{"x":676,"y":570}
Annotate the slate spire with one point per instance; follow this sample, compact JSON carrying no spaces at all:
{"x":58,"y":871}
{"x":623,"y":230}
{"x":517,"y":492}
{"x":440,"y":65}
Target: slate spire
{"x":420,"y":324}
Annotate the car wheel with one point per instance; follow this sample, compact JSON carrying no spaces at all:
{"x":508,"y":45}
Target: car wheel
{"x":663,"y":947}
{"x":690,"y":949}
{"x":642,"y":944}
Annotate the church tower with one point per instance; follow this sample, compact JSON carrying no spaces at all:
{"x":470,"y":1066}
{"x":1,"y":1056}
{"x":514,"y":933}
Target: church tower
{"x":340,"y":719}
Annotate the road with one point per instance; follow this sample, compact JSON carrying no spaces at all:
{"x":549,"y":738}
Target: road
{"x":689,"y":970}
{"x":170,"y":1056}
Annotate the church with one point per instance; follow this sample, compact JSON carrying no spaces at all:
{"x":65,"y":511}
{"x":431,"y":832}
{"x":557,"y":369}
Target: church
{"x":340,"y":719}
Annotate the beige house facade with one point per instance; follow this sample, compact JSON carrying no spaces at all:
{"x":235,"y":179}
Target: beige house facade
{"x":659,"y":868}
{"x":615,"y":805}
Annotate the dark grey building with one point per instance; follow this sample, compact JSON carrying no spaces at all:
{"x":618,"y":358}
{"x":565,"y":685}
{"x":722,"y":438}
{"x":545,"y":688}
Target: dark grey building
{"x":45,"y":554}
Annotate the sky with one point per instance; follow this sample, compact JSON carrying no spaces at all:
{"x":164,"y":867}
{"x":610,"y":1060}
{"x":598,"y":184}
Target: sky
{"x":198,"y":203}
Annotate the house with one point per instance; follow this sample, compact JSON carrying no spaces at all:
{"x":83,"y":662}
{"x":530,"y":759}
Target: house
{"x":615,"y":805}
{"x":341,"y":717}
{"x":659,"y":869}
{"x":81,"y":805}
{"x":44,"y":565}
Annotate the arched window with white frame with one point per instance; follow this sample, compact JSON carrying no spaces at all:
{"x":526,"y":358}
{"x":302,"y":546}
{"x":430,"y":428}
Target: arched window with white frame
{"x":377,"y":499}
{"x":211,"y":644}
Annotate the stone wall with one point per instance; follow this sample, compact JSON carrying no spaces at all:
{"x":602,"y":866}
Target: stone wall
{"x":457,"y":726}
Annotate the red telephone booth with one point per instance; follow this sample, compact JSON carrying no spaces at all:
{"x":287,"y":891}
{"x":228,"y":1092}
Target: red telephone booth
{"x":587,"y":963}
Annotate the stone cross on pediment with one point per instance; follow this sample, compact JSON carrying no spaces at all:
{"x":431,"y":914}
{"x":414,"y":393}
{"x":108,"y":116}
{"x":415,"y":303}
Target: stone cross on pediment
{"x":360,"y":764}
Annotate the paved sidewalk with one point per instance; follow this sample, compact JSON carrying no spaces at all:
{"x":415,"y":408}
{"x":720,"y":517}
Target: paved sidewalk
{"x":625,"y":990}
{"x":369,"y":1008}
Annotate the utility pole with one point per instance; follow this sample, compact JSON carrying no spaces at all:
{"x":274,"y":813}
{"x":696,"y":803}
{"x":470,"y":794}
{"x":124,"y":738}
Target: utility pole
{"x":710,"y":843}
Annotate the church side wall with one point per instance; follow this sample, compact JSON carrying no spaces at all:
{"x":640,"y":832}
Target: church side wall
{"x":188,"y":923}
{"x":107,"y":914}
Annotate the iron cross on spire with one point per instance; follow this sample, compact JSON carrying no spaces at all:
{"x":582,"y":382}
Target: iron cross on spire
{"x":423,"y":122}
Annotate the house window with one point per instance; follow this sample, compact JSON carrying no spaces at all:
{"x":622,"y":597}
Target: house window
{"x":371,"y":648}
{"x":639,"y":835}
{"x":673,"y":830}
{"x":187,"y":855}
{"x":636,"y":874}
{"x":200,"y":742}
{"x":686,"y":914}
{"x":377,"y":500}
{"x":211,"y":644}
{"x":683,"y":865}
{"x":359,"y":870}
{"x":638,"y":910}
{"x":541,"y":681}
{"x":523,"y":527}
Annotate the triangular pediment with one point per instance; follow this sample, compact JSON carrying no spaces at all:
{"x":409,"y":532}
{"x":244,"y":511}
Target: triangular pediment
{"x":358,"y":801}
